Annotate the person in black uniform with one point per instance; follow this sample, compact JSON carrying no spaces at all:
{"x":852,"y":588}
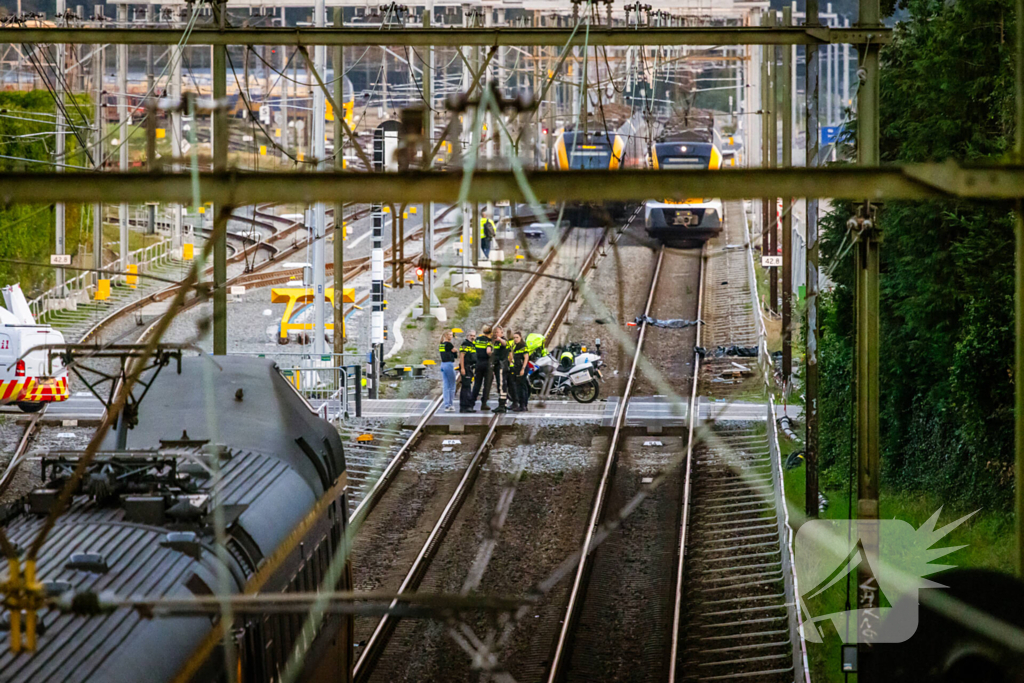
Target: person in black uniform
{"x":520,"y":385}
{"x":482,"y":373}
{"x":467,"y":364}
{"x":499,"y":365}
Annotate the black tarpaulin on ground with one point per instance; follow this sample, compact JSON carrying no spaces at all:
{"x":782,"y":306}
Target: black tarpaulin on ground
{"x":718,"y":352}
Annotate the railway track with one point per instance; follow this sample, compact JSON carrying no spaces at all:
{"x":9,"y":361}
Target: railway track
{"x":434,"y":544}
{"x":21,"y":451}
{"x":614,"y":598}
{"x":732,"y":604}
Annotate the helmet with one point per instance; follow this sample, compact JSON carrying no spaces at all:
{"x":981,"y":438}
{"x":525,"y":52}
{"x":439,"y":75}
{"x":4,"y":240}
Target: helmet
{"x":566,"y":360}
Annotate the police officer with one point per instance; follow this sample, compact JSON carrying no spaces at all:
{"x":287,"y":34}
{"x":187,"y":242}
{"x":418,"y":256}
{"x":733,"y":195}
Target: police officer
{"x":501,"y":352}
{"x":520,"y":384}
{"x":482,"y":373}
{"x":467,"y":364}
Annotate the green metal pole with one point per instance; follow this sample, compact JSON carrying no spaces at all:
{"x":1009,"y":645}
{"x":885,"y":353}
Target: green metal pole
{"x":867,"y":270}
{"x":339,"y":207}
{"x":773,"y":162}
{"x":786,"y":111}
{"x":811,"y":374}
{"x":765,"y":138}
{"x":220,"y":164}
{"x":1019,"y":300}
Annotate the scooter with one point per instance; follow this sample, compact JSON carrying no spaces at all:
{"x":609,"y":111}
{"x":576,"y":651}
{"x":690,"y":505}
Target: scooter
{"x":581,"y":380}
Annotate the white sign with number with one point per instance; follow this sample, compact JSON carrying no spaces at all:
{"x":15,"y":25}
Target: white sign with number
{"x":60,"y":259}
{"x":771,"y":261}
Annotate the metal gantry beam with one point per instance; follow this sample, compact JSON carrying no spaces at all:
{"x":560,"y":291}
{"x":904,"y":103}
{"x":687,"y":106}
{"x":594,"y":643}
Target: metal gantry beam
{"x":240,"y":188}
{"x":454,"y":36}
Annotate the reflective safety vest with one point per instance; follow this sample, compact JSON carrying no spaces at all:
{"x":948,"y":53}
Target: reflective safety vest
{"x":500,"y":355}
{"x":469,"y":349}
{"x":483,"y":224}
{"x":534,"y":343}
{"x":519,"y":355}
{"x":481,"y":344}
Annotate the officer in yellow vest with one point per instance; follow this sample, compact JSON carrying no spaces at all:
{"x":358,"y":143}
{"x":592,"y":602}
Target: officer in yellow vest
{"x":487,"y":233}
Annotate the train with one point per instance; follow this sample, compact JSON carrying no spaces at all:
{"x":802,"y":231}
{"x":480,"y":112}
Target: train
{"x":692,"y":221}
{"x":601,"y":147}
{"x":141,"y":523}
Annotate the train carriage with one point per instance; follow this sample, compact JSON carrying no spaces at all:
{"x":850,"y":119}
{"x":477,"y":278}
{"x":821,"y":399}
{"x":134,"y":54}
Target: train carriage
{"x":142,"y":525}
{"x":693,"y":221}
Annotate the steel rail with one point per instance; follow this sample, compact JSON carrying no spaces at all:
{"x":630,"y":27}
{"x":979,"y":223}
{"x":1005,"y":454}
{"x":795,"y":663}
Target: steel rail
{"x":381,"y":635}
{"x":597,"y":511}
{"x":455,"y":36}
{"x":524,"y":291}
{"x":239,"y":188}
{"x":590,"y":263}
{"x":19,"y":452}
{"x":677,"y":608}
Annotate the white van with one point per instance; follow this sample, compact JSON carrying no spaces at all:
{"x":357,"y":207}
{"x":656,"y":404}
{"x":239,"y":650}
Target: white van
{"x":26,"y":377}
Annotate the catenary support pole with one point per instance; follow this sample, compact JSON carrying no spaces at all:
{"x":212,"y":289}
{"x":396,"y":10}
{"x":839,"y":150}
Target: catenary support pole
{"x":340,"y":97}
{"x":317,"y":132}
{"x":122,"y":135}
{"x":177,"y":234}
{"x":60,"y":67}
{"x":773,"y":162}
{"x":765,"y":137}
{"x":1019,"y":299}
{"x":97,"y":215}
{"x":811,"y":373}
{"x":220,"y":163}
{"x":428,"y":133}
{"x":785,"y":108}
{"x":867,"y":269}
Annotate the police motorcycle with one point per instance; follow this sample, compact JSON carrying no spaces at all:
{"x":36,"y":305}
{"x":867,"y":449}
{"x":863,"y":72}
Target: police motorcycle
{"x":569,"y":370}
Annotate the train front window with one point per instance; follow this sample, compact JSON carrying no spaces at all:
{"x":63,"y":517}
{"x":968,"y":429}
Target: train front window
{"x":590,"y":157}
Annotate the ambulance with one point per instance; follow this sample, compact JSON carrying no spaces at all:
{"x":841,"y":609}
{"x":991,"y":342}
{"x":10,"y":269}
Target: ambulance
{"x":26,"y":378}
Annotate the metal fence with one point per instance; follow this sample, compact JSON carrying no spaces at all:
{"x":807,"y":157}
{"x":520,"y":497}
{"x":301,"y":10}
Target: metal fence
{"x":78,"y":289}
{"x":332,"y":386}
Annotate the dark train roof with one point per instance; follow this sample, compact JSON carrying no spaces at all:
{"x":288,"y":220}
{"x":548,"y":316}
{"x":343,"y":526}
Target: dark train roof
{"x":268,"y":485}
{"x":271,"y":417}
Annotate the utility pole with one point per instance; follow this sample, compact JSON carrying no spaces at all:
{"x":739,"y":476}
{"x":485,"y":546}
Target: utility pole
{"x":844,"y":97}
{"x":177,"y":237}
{"x":285,"y":139}
{"x":97,"y":214}
{"x":1018,"y":373}
{"x":773,"y":162}
{"x":785,"y":108}
{"x":60,"y":212}
{"x":220,"y":213}
{"x":811,"y":381}
{"x":317,"y":131}
{"x":467,"y":129}
{"x":867,"y":270}
{"x":765,"y":117}
{"x":122,"y":133}
{"x":339,"y":207}
{"x":428,"y":158}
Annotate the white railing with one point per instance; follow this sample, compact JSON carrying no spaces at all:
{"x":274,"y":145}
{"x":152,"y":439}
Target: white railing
{"x":801,"y":668}
{"x":78,"y":289}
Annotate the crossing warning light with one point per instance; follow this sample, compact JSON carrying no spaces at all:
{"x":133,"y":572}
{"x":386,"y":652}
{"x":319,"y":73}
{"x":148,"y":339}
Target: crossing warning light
{"x":419,"y":275}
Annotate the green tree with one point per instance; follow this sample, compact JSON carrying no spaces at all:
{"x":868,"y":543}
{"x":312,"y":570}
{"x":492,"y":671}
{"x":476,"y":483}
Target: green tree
{"x":947,"y":325}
